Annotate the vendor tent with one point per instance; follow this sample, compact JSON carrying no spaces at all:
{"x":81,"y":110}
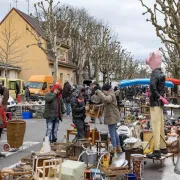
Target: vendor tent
{"x":174,"y":81}
{"x":146,"y":81}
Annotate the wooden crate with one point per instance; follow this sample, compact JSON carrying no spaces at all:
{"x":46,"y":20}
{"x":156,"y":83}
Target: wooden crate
{"x":63,"y":150}
{"x":114,"y":171}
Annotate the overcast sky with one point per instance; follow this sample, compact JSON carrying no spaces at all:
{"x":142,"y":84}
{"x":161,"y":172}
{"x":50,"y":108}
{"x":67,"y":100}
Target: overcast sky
{"x":125,"y":17}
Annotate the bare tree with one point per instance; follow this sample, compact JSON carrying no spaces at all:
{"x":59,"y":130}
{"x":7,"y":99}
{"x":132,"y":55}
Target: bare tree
{"x":55,"y":23}
{"x":11,"y":52}
{"x":171,"y":60}
{"x":80,"y":34}
{"x":169,"y":30}
{"x":127,"y":67}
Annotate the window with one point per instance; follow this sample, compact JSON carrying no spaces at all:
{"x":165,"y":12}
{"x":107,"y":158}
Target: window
{"x":12,"y":85}
{"x":44,"y":86}
{"x":61,"y":78}
{"x":35,"y":85}
{"x":52,"y":73}
{"x":68,"y":77}
{"x":62,"y":55}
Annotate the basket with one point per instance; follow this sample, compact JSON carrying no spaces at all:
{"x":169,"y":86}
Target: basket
{"x":15,"y":133}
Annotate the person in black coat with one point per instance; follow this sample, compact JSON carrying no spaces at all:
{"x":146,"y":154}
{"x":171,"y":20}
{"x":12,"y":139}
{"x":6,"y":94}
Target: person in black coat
{"x":79,"y":113}
{"x":67,"y":92}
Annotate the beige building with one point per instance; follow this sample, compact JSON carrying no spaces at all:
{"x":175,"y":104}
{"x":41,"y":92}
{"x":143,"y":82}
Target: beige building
{"x":33,"y":60}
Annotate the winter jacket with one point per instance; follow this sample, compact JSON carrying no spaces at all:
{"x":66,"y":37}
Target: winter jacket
{"x":5,"y":93}
{"x":130,"y":93}
{"x":51,"y":106}
{"x":66,"y":91}
{"x":111,"y":112}
{"x":157,"y":89}
{"x":78,"y":109}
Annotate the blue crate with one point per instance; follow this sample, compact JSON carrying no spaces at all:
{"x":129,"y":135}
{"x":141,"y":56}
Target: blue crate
{"x":27,"y":115}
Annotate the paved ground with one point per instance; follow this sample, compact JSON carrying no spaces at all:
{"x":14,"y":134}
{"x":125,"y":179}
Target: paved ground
{"x":33,"y":138}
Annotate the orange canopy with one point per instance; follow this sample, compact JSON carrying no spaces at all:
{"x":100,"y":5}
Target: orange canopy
{"x":174,"y":81}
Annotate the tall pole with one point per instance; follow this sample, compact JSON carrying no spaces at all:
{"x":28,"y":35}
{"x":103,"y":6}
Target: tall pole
{"x":28,"y":6}
{"x":16,"y":1}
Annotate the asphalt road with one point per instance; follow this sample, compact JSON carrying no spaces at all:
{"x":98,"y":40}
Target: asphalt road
{"x":35,"y":132}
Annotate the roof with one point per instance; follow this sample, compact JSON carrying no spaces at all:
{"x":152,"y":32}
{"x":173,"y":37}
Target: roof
{"x":33,"y":22}
{"x":2,"y":65}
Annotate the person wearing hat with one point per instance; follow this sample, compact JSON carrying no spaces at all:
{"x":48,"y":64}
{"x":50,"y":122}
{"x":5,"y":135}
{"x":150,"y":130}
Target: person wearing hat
{"x":94,"y":87}
{"x":78,"y":113}
{"x":54,"y":110}
{"x":111,"y":114}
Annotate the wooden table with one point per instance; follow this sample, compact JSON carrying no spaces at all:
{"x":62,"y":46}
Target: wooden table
{"x":70,"y":132}
{"x":172,"y":107}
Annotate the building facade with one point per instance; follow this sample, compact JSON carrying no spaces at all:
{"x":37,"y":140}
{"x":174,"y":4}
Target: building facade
{"x":34,"y":61}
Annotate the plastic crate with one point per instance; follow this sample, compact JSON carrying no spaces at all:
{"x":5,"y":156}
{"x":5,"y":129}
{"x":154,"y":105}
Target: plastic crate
{"x":27,"y":115}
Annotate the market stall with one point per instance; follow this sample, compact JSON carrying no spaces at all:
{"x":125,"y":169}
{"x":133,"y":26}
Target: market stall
{"x":145,"y":81}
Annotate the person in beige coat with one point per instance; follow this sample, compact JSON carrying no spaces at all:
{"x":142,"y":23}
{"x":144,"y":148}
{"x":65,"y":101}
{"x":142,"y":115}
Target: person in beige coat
{"x":111,"y":114}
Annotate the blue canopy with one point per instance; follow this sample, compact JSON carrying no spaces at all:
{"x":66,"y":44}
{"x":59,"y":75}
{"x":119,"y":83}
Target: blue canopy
{"x":132,"y":82}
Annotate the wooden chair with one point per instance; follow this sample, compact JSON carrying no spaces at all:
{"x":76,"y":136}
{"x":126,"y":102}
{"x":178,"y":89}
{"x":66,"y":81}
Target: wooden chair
{"x":53,"y":167}
{"x":95,"y":111}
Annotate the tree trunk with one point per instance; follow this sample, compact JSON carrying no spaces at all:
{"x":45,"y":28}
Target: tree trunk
{"x":97,"y":71}
{"x":104,"y":78}
{"x":77,"y":78}
{"x":6,"y":77}
{"x":56,"y":71}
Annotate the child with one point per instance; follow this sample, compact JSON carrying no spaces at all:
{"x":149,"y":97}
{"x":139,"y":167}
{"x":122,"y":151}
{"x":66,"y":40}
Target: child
{"x":78,"y":113}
